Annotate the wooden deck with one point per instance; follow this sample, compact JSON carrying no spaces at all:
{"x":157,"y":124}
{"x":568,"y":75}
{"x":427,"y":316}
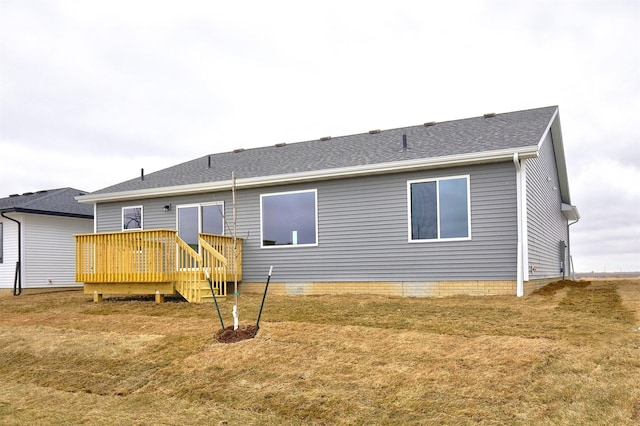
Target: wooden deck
{"x":156,"y":262}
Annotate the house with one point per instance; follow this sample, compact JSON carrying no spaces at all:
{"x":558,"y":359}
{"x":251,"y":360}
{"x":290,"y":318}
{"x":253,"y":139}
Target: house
{"x":473,"y":206}
{"x":37,"y":248}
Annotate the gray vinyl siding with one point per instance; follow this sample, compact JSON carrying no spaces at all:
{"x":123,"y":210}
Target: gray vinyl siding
{"x":49,"y":250}
{"x":109,"y":215}
{"x":363,"y":233}
{"x":363,"y":230}
{"x":546,"y":224}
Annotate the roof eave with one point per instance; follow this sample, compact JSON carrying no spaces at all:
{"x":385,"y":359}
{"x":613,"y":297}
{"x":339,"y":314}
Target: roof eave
{"x":570,"y":212}
{"x":46,"y":213}
{"x":316,"y":175}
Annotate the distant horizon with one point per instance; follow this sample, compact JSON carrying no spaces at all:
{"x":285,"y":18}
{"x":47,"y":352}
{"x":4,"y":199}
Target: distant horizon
{"x":611,"y":273}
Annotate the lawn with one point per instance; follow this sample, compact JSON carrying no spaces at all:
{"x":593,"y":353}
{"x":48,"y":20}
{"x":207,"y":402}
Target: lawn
{"x":568,"y":354}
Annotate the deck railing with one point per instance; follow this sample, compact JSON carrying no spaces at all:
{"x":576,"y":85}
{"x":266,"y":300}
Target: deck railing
{"x":158,"y":256}
{"x":132,"y":256}
{"x":224,"y":245}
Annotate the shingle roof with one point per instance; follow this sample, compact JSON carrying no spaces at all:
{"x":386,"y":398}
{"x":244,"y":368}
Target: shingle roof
{"x":56,"y":202}
{"x":472,"y":135}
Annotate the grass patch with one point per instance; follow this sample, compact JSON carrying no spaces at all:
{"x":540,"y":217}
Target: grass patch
{"x":567,"y":354}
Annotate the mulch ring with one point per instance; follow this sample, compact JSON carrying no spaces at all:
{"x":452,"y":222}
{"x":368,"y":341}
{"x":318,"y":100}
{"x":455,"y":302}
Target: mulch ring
{"x":229,"y":335}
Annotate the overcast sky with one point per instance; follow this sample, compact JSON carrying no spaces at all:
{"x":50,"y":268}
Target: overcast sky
{"x":93,"y":91}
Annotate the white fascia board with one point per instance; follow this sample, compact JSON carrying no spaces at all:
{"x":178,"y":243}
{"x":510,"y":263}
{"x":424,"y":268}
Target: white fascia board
{"x":549,"y":127}
{"x":316,"y":175}
{"x":558,"y":149}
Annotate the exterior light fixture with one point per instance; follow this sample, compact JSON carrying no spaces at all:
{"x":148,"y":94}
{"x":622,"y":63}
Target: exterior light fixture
{"x":166,"y":208}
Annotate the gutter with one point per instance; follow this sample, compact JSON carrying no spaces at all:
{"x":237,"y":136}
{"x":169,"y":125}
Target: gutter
{"x":316,"y":175}
{"x":50,"y":213}
{"x":17,"y":280}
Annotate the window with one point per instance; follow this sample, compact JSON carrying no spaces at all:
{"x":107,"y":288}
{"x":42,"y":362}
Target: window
{"x":1,"y":242}
{"x":289,"y":218}
{"x":131,"y":218}
{"x":188,"y":225}
{"x":196,"y":218}
{"x":212,"y":218}
{"x":439,"y":209}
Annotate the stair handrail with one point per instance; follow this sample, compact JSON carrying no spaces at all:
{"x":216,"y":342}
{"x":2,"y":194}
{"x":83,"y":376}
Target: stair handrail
{"x":189,"y":268}
{"x":208,"y":253}
{"x":213,"y":252}
{"x":214,"y":265}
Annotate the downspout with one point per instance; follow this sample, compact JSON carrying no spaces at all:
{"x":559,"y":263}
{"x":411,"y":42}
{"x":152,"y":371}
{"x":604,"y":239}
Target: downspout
{"x":95,"y":218}
{"x":572,"y":273}
{"x":17,"y":281}
{"x":519,"y":268}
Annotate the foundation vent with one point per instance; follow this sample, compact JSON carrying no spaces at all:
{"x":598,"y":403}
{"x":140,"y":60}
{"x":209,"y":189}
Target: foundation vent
{"x":430,"y":123}
{"x":490,"y":114}
{"x":373,"y":132}
{"x":325,"y":138}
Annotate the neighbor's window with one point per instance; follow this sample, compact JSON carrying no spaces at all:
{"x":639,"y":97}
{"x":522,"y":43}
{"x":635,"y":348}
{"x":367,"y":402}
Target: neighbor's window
{"x":196,"y":218}
{"x":289,"y":218}
{"x":1,"y":242}
{"x":439,"y":209}
{"x":131,"y":218}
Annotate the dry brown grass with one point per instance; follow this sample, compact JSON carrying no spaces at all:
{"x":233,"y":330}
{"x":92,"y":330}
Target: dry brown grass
{"x":568,"y":354}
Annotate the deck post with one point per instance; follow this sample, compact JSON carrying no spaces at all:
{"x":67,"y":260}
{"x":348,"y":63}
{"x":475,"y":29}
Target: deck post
{"x":97,"y":297}
{"x":159,"y":297}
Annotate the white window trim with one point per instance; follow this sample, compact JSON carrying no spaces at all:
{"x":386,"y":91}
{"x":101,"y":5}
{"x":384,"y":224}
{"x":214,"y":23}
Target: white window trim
{"x":282,"y":246}
{"x":437,"y":180}
{"x":141,"y":217}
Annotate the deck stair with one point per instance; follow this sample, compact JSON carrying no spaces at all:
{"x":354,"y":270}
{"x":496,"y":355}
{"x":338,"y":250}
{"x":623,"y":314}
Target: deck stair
{"x":200,"y":293}
{"x":195,"y":269}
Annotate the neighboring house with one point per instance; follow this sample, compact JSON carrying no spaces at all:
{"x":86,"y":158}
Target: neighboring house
{"x":37,"y":247}
{"x":472,"y":206}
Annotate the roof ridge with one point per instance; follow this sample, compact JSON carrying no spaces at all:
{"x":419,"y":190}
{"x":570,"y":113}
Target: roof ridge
{"x":238,"y":150}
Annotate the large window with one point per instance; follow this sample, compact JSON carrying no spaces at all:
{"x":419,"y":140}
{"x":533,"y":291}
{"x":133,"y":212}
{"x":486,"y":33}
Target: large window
{"x":439,"y":209}
{"x":131,"y":218}
{"x":196,"y":218}
{"x":289,"y":219}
